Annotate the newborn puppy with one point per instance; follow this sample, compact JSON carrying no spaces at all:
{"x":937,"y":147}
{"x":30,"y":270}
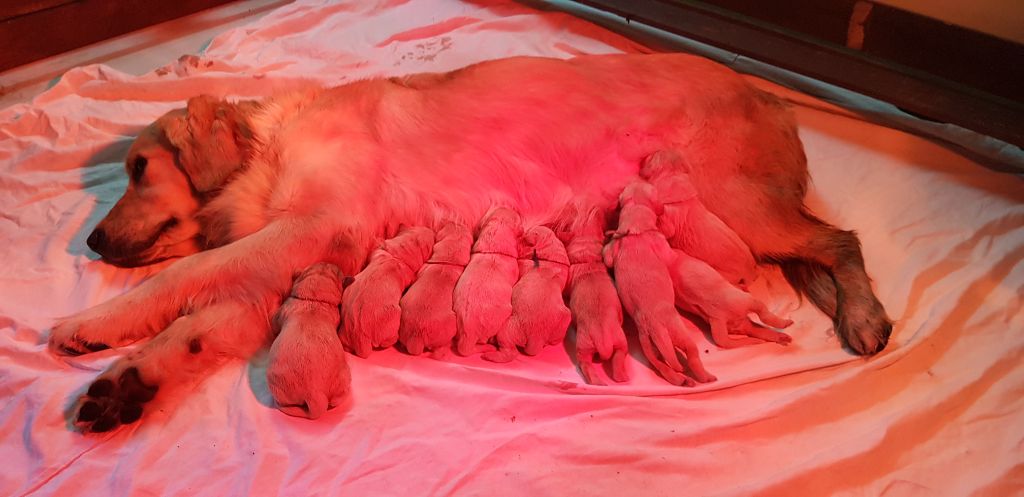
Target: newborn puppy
{"x":702,"y":291}
{"x":690,"y":227}
{"x":637,"y":254}
{"x":483,"y":295}
{"x":370,"y":308}
{"x":595,"y":306}
{"x":307,"y":374}
{"x":539,"y":316}
{"x":428,"y":317}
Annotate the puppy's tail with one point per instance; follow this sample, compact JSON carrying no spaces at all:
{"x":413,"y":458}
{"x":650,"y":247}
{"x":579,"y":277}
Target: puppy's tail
{"x":316,"y":405}
{"x":814,"y":281}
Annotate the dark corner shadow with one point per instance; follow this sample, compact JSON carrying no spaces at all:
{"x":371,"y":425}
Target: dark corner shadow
{"x":96,"y":173}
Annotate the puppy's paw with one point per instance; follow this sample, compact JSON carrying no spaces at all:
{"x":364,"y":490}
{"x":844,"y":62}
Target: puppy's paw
{"x":114,"y":399}
{"x":75,"y":336}
{"x":864,"y":329}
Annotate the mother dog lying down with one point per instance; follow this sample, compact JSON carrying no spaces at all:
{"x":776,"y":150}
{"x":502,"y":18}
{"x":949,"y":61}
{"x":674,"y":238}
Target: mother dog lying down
{"x":250,"y":193}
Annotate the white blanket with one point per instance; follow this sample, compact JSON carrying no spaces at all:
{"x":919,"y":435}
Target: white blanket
{"x":940,"y":412}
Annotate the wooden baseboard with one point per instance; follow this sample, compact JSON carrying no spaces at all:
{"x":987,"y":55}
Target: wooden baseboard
{"x":933,"y":70}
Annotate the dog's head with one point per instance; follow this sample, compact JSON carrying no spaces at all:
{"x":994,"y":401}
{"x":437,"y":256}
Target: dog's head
{"x":175,"y":166}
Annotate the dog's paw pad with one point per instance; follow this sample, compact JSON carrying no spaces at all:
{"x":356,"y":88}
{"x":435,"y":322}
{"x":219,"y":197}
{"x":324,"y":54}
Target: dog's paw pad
{"x":90,"y":411}
{"x":108,"y":404}
{"x":130,"y":413}
{"x":101,"y":388}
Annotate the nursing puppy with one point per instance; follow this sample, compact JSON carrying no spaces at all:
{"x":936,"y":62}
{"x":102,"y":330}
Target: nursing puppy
{"x":595,"y":306}
{"x":370,"y":306}
{"x":539,"y":316}
{"x":307,"y":373}
{"x":702,"y":291}
{"x":250,"y":193}
{"x":428,"y":313}
{"x":637,"y":254}
{"x":690,"y":227}
{"x":483,"y":295}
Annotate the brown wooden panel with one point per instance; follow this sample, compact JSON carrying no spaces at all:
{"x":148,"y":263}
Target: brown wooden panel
{"x":47,"y":32}
{"x":967,"y":57}
{"x":917,"y":91}
{"x":825,"y":20}
{"x":15,"y":8}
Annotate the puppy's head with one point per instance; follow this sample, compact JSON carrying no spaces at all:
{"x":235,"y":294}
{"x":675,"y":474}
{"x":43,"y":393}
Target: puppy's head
{"x":174,"y":167}
{"x":640,"y":193}
{"x":542,"y":243}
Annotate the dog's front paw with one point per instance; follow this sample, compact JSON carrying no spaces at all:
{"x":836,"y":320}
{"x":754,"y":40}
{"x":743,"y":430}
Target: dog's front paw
{"x":112,"y":400}
{"x":72,"y":336}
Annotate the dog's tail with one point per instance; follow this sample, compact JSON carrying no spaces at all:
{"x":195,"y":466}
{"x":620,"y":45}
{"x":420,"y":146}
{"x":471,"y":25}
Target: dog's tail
{"x":814,"y":281}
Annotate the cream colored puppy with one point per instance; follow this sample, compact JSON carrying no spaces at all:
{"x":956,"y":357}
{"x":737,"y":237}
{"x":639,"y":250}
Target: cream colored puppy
{"x":637,"y":254}
{"x":483,"y":295}
{"x":308,"y":374}
{"x":702,"y":291}
{"x":691,"y":227}
{"x":428,"y":313}
{"x":539,"y":316}
{"x":595,"y":306}
{"x":370,"y":306}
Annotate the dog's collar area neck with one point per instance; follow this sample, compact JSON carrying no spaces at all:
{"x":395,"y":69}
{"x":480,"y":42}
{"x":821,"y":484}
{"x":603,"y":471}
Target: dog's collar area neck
{"x":314,"y":300}
{"x":680,"y":201}
{"x":620,"y":234}
{"x":408,"y":267}
{"x":445,"y":263}
{"x":536,"y":260}
{"x":490,"y":252}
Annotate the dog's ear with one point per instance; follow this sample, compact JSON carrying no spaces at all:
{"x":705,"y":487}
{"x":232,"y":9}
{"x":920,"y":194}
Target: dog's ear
{"x":210,"y":140}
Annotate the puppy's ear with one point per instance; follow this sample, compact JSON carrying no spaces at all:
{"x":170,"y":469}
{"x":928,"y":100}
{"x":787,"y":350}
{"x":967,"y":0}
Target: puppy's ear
{"x":210,"y":140}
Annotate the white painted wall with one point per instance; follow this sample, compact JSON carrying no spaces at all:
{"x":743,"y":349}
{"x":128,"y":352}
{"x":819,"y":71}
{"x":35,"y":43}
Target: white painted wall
{"x":1002,"y":18}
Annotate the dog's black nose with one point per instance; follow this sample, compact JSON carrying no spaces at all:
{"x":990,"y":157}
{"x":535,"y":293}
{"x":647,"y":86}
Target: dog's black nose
{"x":97,"y":240}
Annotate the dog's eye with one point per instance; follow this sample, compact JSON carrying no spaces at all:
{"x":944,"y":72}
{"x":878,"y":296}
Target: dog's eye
{"x":139,"y":168}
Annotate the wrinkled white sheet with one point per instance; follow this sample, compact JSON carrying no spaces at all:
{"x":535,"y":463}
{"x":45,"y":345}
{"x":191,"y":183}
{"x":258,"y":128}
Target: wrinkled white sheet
{"x":938,"y":413}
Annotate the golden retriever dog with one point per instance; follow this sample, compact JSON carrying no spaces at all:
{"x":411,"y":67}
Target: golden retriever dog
{"x":249,"y":193}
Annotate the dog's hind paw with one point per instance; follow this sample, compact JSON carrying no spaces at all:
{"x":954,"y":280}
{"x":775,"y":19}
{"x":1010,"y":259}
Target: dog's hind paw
{"x":865,"y":330}
{"x":113,"y":401}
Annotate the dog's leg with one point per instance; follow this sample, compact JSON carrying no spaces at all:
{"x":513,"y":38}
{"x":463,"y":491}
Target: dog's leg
{"x":825,"y":259}
{"x":679,"y":329}
{"x":191,"y":346}
{"x":586,"y":358}
{"x":618,"y":364}
{"x":250,"y":267}
{"x":720,"y":333}
{"x":824,"y":262}
{"x":860,"y":319}
{"x":658,"y":353}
